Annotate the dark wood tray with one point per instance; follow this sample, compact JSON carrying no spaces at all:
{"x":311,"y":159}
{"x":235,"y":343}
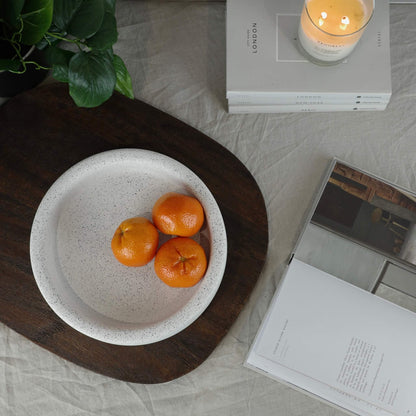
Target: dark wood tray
{"x":43,"y":134}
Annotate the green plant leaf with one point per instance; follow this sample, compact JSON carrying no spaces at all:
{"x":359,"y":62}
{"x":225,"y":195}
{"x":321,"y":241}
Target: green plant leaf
{"x":123,"y":83}
{"x":87,"y":19}
{"x":59,"y":60}
{"x":110,"y":6}
{"x":9,"y":65}
{"x":64,"y":11}
{"x":106,"y":35}
{"x":91,"y":78}
{"x":37,"y":17}
{"x":10,"y":10}
{"x":110,"y":53}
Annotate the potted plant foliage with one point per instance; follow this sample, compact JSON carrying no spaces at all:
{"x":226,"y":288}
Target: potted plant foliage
{"x":76,"y":38}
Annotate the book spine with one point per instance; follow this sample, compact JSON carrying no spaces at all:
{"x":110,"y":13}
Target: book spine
{"x":297,"y":99}
{"x":294,"y":108}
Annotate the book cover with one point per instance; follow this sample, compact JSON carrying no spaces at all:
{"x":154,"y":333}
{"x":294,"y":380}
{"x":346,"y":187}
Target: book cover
{"x":263,"y":59}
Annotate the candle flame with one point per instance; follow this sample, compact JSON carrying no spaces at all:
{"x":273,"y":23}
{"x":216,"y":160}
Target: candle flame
{"x":345,"y":21}
{"x":324,"y":15}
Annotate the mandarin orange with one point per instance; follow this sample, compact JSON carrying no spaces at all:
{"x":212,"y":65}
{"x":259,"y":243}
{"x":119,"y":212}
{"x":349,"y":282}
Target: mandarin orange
{"x":180,"y":262}
{"x":178,"y":214}
{"x":135,"y":242}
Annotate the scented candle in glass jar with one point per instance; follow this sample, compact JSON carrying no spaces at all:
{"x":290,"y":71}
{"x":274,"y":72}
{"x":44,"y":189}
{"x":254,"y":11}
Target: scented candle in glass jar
{"x":330,"y":29}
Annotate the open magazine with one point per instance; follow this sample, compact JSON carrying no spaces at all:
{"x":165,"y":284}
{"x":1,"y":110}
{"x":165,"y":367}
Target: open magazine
{"x":340,"y":343}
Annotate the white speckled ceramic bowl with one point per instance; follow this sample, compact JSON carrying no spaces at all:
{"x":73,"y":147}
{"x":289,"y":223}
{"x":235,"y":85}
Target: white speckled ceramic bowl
{"x":72,"y":261}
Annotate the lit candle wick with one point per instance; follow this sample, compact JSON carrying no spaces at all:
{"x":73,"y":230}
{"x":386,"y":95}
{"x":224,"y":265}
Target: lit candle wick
{"x":344,"y":22}
{"x":322,"y":18}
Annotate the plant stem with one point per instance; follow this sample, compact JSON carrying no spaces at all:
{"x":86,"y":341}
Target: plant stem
{"x":25,"y":63}
{"x":38,"y":65}
{"x":63,"y":38}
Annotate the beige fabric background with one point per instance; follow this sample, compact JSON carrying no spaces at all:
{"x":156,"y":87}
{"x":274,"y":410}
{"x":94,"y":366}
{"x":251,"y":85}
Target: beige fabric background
{"x":175,"y":52}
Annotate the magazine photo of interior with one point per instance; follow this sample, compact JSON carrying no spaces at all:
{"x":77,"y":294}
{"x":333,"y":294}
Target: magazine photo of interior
{"x":369,"y":211}
{"x":361,"y":229}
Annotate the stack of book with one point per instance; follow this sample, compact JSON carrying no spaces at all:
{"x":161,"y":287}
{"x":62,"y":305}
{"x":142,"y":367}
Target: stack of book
{"x":266,"y":73}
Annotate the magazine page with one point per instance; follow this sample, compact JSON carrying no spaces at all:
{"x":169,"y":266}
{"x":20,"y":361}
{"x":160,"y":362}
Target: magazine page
{"x":339,"y":342}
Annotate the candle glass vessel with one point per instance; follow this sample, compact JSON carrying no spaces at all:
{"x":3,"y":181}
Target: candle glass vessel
{"x":330,"y":29}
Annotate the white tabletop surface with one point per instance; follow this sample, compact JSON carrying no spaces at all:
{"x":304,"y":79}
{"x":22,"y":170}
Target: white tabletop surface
{"x":175,"y":52}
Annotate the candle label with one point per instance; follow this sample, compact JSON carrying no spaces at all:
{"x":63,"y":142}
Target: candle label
{"x":321,"y":50}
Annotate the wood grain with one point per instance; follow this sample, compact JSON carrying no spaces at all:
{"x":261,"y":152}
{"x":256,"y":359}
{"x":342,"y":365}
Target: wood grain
{"x":42,"y":135}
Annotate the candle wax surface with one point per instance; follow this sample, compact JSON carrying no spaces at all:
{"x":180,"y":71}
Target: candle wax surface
{"x":338,"y":17}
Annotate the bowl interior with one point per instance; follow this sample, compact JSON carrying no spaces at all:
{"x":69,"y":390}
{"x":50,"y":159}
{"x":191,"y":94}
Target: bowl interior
{"x":71,"y":248}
